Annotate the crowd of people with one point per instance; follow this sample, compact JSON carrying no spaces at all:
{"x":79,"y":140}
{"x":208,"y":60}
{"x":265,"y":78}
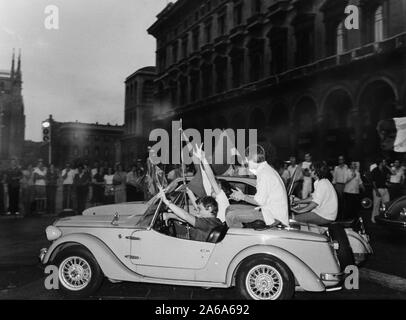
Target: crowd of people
{"x":31,"y":190}
{"x":383,"y":180}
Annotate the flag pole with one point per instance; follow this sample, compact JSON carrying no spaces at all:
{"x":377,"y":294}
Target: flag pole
{"x":183,"y":165}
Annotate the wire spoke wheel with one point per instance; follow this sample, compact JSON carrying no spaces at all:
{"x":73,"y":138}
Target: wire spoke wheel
{"x":75,"y":273}
{"x":264,"y":282}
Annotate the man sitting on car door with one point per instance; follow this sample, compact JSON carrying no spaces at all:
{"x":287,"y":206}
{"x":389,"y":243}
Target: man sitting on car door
{"x":203,"y":222}
{"x":271,"y":199}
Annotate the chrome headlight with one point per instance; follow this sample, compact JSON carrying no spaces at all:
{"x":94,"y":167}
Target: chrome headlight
{"x":53,"y":233}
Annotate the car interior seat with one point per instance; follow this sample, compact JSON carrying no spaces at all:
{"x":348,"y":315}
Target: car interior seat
{"x":218,"y":234}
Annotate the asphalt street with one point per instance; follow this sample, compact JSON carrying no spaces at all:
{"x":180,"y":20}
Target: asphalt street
{"x":21,"y":276}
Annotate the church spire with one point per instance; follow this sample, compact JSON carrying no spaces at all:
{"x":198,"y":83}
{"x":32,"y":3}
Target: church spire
{"x":12,"y":64}
{"x":19,"y":64}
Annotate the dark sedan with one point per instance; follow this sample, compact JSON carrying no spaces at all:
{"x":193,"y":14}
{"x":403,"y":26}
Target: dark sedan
{"x":393,"y":214}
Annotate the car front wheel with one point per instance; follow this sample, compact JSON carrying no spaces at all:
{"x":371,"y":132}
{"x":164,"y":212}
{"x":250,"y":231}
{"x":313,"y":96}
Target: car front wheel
{"x":265,"y":278}
{"x":78,"y":272}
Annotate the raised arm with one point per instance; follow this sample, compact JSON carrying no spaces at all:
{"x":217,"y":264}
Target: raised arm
{"x":179,"y":212}
{"x":199,"y":154}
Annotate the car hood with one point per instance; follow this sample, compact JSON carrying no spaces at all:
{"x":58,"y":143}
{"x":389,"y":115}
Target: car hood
{"x":97,"y":221}
{"x":280,"y":233}
{"x":123,"y":209}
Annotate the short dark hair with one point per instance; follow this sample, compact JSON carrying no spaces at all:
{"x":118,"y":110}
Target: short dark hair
{"x":321,"y":170}
{"x":209,"y":203}
{"x":256,"y":152}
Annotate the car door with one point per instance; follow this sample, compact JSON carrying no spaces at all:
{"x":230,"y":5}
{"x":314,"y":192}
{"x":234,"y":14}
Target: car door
{"x":156,"y":254}
{"x":162,"y":256}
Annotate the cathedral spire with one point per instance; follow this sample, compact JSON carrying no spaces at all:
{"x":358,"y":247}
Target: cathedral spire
{"x":12,"y":64}
{"x":19,"y":64}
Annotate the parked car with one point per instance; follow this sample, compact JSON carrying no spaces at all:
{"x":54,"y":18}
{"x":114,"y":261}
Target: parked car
{"x":268,"y":264}
{"x":392,"y":215}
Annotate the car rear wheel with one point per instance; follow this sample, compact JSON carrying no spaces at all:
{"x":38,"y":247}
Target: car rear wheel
{"x":265,"y":278}
{"x":78,"y":272}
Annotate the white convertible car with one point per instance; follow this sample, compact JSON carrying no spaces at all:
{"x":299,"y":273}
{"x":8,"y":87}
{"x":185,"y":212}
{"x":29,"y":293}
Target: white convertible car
{"x":266,"y":264}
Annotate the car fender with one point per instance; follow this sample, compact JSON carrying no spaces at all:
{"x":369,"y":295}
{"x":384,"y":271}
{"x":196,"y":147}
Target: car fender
{"x":358,"y":243}
{"x":111,"y":266}
{"x":400,"y":202}
{"x":303,"y":274}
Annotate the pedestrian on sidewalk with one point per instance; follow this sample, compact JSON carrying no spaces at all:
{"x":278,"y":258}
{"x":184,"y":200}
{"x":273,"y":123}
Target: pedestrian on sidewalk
{"x":307,"y":186}
{"x":39,"y":177}
{"x":81,"y":182}
{"x":353,"y":185}
{"x":119,"y":181}
{"x":13,"y":177}
{"x":67,"y":175}
{"x":27,"y":191}
{"x":339,"y":180}
{"x":98,"y":187}
{"x":52,"y":185}
{"x":380,"y":192}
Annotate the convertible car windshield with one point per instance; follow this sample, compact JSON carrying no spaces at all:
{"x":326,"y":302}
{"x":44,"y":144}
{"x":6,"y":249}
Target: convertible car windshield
{"x":173,"y":193}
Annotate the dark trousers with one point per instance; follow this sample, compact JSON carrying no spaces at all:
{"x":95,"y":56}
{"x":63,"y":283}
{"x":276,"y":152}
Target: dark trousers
{"x":352,"y":205}
{"x":395,"y":190}
{"x":1,"y":198}
{"x":339,"y":187}
{"x":81,"y":196}
{"x":51,"y":199}
{"x":13,"y":198}
{"x":67,"y":196}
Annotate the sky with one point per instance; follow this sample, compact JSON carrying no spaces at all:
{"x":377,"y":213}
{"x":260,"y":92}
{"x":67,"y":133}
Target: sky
{"x":78,"y":71}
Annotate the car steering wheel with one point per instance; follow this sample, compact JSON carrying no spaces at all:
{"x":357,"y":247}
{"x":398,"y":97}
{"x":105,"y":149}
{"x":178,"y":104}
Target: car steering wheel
{"x":171,"y":227}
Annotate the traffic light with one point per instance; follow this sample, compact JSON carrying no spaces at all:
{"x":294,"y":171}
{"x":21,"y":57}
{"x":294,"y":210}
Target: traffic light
{"x":46,"y":131}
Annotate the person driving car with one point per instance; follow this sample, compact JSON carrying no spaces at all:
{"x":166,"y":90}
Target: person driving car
{"x":203,"y":222}
{"x":321,"y":206}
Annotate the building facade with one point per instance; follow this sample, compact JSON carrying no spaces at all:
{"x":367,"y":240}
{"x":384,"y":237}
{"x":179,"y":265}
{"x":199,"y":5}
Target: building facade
{"x":289,"y":68}
{"x":80,"y":143}
{"x":12,"y":117}
{"x":138,"y":111}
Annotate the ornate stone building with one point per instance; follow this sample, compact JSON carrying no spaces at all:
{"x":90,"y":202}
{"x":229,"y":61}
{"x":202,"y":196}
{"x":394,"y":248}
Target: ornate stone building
{"x":288,"y":68}
{"x":12,"y":118}
{"x":139,"y":99}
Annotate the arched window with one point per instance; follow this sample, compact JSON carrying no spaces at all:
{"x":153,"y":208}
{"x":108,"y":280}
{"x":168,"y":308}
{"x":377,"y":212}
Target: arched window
{"x":378,"y":24}
{"x":341,"y":45}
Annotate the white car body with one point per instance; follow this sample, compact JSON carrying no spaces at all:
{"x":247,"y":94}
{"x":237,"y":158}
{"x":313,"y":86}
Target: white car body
{"x":133,"y":248}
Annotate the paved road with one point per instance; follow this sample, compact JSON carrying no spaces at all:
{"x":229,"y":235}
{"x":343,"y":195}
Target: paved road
{"x":383,"y":276}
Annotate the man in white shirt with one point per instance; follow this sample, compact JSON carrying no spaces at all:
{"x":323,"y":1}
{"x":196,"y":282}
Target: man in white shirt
{"x":322,"y":206}
{"x":339,"y":180}
{"x":353,"y":184}
{"x":396,"y":180}
{"x":306,"y":173}
{"x":294,"y":170}
{"x":271,"y":199}
{"x":68,"y":175}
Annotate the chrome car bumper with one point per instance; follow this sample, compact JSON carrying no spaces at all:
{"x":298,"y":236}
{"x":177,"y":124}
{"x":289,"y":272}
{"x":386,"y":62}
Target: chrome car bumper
{"x":336,"y":277}
{"x":42,"y":254}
